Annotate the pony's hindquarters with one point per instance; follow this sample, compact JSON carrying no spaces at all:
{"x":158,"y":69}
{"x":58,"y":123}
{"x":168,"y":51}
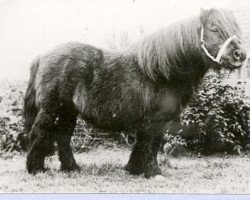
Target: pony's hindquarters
{"x":48,"y":117}
{"x":50,"y":111}
{"x":32,"y":117}
{"x":30,"y":110}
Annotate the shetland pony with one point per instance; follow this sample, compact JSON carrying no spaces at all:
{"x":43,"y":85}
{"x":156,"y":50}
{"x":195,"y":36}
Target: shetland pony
{"x":140,"y":89}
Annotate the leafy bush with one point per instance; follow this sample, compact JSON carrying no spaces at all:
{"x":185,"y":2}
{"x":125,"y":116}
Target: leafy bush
{"x":11,"y":121}
{"x":219,"y":112}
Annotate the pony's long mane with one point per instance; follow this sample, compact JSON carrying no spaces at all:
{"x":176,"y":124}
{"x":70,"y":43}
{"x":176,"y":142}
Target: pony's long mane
{"x":166,"y":51}
{"x":176,"y":48}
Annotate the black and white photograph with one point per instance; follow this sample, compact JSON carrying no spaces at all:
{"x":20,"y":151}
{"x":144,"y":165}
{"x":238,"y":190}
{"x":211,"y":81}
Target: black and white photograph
{"x":125,"y":97}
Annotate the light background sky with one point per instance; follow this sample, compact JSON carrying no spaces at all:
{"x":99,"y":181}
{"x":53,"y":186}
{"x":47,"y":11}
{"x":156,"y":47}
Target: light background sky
{"x":31,"y":27}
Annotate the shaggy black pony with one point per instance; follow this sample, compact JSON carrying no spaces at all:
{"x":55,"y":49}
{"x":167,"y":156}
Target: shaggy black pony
{"x":140,"y":89}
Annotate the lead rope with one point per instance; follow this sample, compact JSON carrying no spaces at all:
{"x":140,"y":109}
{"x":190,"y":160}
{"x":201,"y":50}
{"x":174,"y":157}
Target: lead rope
{"x":222,"y":49}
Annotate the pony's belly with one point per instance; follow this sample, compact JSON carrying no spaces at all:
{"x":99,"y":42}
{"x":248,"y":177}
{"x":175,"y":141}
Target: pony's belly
{"x":107,"y":123}
{"x":103,"y":118}
{"x":98,"y":117}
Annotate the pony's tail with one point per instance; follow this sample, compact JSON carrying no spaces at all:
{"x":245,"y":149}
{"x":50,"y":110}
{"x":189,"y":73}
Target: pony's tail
{"x":30,"y":110}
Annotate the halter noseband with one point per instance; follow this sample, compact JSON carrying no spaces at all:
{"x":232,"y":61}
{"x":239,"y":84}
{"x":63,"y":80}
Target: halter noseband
{"x":222,"y":49}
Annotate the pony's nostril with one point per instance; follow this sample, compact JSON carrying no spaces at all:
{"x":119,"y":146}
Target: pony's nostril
{"x":237,"y":54}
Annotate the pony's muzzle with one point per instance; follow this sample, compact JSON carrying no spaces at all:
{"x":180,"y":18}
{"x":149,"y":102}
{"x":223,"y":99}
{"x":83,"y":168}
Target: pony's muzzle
{"x":235,"y":55}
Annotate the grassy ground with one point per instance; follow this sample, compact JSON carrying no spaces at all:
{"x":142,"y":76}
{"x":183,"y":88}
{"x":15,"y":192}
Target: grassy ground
{"x":102,"y":171}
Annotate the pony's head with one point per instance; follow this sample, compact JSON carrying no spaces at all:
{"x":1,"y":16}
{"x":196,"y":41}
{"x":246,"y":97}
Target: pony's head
{"x":220,"y":38}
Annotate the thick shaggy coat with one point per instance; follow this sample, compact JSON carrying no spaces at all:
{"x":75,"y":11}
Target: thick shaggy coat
{"x":139,"y":89}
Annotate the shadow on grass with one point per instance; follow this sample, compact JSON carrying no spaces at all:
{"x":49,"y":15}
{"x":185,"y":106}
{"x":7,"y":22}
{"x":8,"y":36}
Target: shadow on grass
{"x":101,"y":169}
{"x":93,"y":170}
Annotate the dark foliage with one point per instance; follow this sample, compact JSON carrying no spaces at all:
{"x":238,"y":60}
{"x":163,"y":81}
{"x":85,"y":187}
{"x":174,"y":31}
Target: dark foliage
{"x":219,"y":112}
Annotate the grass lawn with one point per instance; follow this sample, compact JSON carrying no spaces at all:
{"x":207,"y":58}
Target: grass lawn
{"x":102,"y":171}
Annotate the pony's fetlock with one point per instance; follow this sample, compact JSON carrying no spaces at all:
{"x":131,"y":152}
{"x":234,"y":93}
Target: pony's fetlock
{"x":152,"y":171}
{"x":70,"y":166}
{"x":35,"y":164}
{"x":134,"y":169}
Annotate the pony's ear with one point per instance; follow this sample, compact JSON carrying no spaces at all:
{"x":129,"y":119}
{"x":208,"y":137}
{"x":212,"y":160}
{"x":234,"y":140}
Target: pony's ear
{"x":204,"y":15}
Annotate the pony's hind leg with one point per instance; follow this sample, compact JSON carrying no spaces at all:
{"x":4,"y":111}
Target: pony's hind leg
{"x":41,"y":141}
{"x":65,"y":127}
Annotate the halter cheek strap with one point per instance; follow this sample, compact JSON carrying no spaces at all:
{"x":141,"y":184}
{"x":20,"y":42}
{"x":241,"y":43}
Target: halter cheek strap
{"x":222,"y":49}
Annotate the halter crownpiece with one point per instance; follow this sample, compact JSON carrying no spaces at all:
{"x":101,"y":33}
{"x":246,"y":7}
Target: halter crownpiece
{"x":222,"y":49}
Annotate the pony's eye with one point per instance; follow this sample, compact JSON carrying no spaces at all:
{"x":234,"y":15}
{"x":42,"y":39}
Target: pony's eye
{"x":214,"y":29}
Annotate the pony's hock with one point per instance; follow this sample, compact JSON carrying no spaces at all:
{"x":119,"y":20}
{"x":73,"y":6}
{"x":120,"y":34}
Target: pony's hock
{"x":140,"y":89}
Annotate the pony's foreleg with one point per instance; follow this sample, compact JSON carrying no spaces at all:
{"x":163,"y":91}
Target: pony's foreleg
{"x":66,"y":125}
{"x":151,"y":150}
{"x":136,"y":163}
{"x":143,"y":158}
{"x":41,"y":141}
{"x":144,"y":155}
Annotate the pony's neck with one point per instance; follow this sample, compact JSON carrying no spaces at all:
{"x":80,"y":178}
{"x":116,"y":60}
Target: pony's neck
{"x":171,"y":52}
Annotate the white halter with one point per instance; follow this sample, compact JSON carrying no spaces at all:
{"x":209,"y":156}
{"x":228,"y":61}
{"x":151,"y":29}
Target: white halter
{"x":222,"y":49}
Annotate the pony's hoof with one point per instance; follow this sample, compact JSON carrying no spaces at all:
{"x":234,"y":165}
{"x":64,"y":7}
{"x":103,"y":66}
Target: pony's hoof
{"x":133,"y":170}
{"x":35,"y":170}
{"x":153,"y":172}
{"x":34,"y":167}
{"x":70,"y":168}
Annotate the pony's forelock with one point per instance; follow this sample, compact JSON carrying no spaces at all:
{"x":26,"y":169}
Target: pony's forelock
{"x":226,"y":22}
